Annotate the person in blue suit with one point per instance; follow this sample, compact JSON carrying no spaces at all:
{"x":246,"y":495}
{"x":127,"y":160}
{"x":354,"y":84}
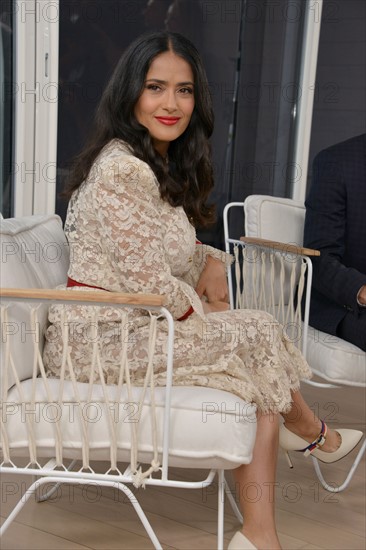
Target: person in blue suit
{"x":335,"y":224}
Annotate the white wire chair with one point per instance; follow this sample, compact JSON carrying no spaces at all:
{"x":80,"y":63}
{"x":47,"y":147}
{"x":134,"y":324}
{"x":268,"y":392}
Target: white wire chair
{"x":272,"y":272}
{"x":64,"y":431}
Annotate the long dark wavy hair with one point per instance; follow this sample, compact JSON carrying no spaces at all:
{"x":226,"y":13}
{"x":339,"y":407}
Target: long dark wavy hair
{"x":188,"y":178}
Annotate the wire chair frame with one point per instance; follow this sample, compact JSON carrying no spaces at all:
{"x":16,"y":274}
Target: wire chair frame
{"x":58,"y":469}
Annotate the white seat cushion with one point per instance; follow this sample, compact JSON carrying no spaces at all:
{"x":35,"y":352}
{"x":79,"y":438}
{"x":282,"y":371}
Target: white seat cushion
{"x":209,"y":428}
{"x":335,"y":359}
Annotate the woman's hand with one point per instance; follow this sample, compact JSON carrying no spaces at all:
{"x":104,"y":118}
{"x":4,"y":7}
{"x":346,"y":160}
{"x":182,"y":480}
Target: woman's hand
{"x":213,"y":282}
{"x":211,"y":307}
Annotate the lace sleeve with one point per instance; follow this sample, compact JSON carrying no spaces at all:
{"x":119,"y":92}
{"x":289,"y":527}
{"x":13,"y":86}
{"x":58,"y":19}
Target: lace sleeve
{"x":199,"y":262}
{"x":129,"y":209}
{"x":204,"y":250}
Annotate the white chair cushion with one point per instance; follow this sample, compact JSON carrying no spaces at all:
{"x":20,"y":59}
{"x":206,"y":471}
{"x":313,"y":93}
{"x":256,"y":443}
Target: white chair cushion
{"x":203,"y":421}
{"x":280,"y":220}
{"x":335,"y":359}
{"x":34,"y":254}
{"x":274,"y":218}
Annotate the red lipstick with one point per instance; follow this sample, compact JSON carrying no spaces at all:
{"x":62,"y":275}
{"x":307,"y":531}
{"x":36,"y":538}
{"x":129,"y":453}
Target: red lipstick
{"x":168,"y":120}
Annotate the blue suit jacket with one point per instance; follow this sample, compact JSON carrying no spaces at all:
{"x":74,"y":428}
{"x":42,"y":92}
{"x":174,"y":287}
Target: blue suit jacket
{"x":335,"y":224}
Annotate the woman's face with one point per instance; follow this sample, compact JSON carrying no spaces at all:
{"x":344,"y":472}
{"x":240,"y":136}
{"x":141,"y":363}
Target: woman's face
{"x":166,"y":104}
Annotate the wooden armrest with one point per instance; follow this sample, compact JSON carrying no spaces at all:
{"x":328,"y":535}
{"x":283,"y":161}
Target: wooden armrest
{"x":84,"y":296}
{"x":283,"y":247}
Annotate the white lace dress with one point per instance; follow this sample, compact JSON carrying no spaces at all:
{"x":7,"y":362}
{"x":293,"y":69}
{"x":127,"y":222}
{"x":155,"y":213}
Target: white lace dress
{"x":124,"y":238}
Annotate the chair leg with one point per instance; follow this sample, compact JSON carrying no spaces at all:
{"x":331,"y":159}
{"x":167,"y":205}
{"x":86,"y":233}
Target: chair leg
{"x":18,"y":507}
{"x":53,"y":479}
{"x":346,"y":482}
{"x":53,"y":489}
{"x":220,"y":510}
{"x":233,"y":503}
{"x":141,"y":514}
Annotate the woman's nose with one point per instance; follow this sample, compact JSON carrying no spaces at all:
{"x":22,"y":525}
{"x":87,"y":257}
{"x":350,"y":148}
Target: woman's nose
{"x":170,"y":101}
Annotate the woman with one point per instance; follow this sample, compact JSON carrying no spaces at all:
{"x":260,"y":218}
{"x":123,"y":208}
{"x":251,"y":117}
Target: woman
{"x":138,"y":191}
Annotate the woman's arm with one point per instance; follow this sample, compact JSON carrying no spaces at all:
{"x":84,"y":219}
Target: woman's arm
{"x":128,"y":210}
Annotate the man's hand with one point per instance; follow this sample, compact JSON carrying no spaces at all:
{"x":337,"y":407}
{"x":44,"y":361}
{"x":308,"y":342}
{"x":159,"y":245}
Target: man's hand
{"x":213,"y":282}
{"x":361,"y":297}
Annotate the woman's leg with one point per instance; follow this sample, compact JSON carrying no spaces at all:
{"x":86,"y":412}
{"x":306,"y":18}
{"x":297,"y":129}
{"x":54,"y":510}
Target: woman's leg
{"x":255,"y":483}
{"x":303,"y":422}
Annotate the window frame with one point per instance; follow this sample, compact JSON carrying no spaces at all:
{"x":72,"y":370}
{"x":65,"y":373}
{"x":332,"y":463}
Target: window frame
{"x":35,"y":120}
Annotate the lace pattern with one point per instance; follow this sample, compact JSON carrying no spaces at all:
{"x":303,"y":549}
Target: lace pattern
{"x":111,"y":217}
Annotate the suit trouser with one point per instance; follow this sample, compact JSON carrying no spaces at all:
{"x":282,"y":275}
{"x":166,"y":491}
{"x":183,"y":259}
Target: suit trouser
{"x":353,"y":329}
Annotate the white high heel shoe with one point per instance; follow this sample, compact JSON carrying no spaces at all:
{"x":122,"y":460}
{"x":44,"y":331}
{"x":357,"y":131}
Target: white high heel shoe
{"x":240,"y":542}
{"x":292,"y":442}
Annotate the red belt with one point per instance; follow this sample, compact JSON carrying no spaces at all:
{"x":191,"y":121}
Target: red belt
{"x":71,"y":282}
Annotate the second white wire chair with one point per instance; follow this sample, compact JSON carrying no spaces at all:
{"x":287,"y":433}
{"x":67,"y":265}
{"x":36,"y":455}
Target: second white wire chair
{"x":273,"y":272}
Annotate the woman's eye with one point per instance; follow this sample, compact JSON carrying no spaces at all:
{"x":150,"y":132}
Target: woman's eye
{"x":186,"y":91}
{"x":153,"y":87}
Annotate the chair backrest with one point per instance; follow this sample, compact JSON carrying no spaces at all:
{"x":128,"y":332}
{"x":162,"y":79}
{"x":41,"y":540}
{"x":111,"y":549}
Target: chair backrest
{"x":34,"y":254}
{"x":282,"y":220}
{"x":274,"y":218}
{"x":266,"y":278}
